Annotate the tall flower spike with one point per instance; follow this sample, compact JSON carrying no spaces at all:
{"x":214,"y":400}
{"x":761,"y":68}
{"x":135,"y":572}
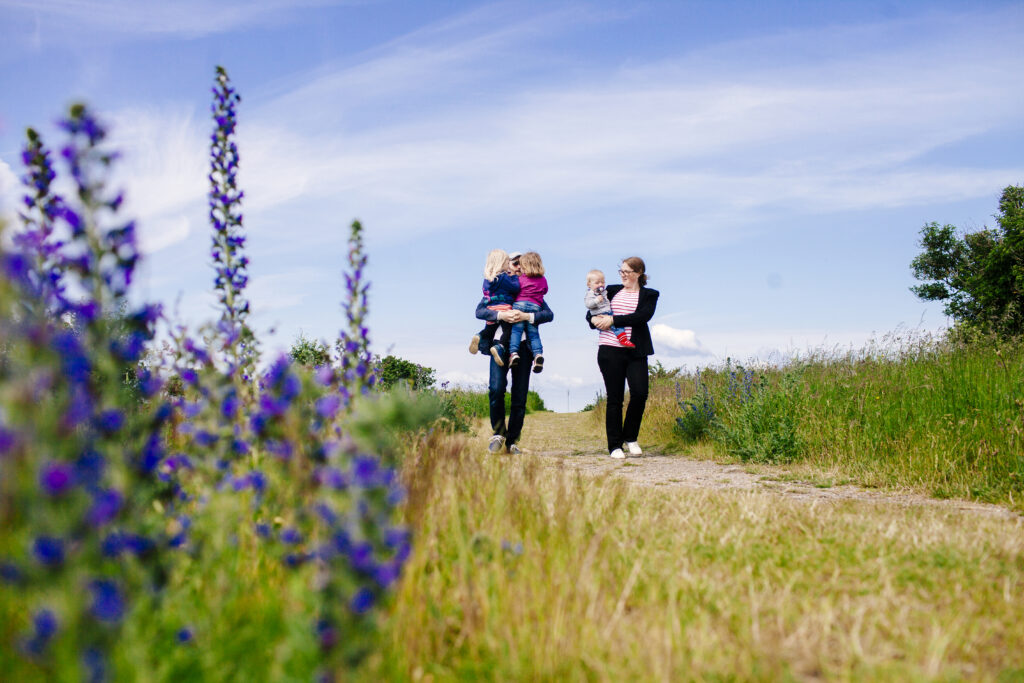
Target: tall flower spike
{"x":43,"y":275}
{"x":357,"y":374}
{"x":229,"y":260}
{"x":101,"y":260}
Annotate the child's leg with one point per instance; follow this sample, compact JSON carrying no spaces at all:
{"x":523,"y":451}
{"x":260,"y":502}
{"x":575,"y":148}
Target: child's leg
{"x":620,"y":333}
{"x":515,"y":336}
{"x":532,"y":333}
{"x":506,"y":334}
{"x":487,"y":337}
{"x":533,"y":336}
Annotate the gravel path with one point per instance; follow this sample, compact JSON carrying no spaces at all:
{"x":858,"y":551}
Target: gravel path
{"x":571,"y":440}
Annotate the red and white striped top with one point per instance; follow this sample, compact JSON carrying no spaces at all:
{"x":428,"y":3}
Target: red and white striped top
{"x":622,"y":304}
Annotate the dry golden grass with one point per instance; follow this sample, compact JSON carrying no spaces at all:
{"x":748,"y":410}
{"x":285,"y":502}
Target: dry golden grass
{"x":524,"y":571}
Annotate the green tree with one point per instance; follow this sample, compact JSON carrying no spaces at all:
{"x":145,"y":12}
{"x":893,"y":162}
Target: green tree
{"x":392,"y":369}
{"x":310,"y":352}
{"x":979,"y":275}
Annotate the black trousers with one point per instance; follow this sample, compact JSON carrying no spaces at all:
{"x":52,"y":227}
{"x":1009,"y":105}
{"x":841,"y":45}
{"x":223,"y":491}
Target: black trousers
{"x":620,"y":367}
{"x":520,"y":389}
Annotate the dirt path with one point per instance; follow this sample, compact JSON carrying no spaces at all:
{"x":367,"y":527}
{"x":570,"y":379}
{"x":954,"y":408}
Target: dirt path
{"x":572,"y":440}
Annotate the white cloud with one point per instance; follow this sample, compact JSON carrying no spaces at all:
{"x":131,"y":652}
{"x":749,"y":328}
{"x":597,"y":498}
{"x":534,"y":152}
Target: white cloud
{"x":9,"y":193}
{"x":163,"y":171}
{"x":677,"y":342}
{"x":189,"y":18}
{"x":467,"y":380}
{"x":705,"y":142}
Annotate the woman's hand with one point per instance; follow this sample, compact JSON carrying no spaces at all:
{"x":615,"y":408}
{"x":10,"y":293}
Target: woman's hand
{"x":601,"y":322}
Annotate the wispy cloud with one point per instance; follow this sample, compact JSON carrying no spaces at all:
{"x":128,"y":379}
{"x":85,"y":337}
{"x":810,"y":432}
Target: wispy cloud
{"x":847,"y":132}
{"x":9,"y":192}
{"x":188,"y":18}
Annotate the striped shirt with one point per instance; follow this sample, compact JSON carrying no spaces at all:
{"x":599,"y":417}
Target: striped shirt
{"x":623,"y":303}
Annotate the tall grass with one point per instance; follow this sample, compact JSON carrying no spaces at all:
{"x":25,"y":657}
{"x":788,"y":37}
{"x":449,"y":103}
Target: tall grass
{"x":522,"y":571}
{"x":929,"y":414}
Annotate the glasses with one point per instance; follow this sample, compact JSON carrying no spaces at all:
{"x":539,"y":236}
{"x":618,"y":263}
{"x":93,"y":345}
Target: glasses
{"x":627,"y":272}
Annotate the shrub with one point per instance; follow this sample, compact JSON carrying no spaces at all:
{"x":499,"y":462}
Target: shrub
{"x":311,"y":353}
{"x":698,"y":413}
{"x":763,"y":425}
{"x":392,"y":370}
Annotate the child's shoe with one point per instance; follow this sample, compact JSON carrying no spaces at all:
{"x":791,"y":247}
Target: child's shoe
{"x":624,"y":340}
{"x":474,"y":344}
{"x":496,"y":355}
{"x":513,"y":360}
{"x":538,"y":363}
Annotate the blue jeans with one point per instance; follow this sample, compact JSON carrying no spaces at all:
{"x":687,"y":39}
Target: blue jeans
{"x":532,"y":333}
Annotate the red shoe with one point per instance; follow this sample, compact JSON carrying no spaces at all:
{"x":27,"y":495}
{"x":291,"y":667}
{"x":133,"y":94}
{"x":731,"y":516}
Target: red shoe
{"x":624,"y":340}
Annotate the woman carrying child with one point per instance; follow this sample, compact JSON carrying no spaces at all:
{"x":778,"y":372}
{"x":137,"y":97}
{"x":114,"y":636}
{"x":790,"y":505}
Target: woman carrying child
{"x":632,"y":307}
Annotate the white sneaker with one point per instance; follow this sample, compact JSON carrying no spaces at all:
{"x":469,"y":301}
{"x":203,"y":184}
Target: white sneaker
{"x":634,"y":448}
{"x":617,"y":454}
{"x":497,"y":441}
{"x":474,"y":343}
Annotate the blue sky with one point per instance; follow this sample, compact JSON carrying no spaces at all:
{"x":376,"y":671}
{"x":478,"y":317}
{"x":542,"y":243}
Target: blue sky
{"x":772,"y":162}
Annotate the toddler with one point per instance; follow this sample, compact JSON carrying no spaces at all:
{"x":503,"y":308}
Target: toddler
{"x":532,"y":288}
{"x":501,"y":289}
{"x":597,"y":301}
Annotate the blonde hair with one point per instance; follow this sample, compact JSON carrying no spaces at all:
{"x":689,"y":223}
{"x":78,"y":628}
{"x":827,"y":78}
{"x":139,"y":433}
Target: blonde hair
{"x":496,"y":264}
{"x":531,"y":264}
{"x":636,"y":264}
{"x":594,"y":274}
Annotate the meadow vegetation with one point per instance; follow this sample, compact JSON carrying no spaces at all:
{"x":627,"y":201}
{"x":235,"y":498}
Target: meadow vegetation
{"x":523,"y":570}
{"x":195,"y":511}
{"x":942,"y":415}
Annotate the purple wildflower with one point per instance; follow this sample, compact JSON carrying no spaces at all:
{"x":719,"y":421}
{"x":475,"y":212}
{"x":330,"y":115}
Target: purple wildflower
{"x":107,"y":602}
{"x":291,"y":536}
{"x":56,"y":478}
{"x":327,"y":406}
{"x":365,"y":471}
{"x":48,"y":551}
{"x":105,"y":507}
{"x":362,"y":601}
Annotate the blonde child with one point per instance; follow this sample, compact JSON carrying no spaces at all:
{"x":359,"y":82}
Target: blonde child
{"x":597,"y":301}
{"x":501,"y":289}
{"x":532,"y":288}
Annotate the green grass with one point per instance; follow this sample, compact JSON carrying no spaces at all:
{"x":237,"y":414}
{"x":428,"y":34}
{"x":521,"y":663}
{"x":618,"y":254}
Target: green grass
{"x":621,"y":583}
{"x":946,"y":419}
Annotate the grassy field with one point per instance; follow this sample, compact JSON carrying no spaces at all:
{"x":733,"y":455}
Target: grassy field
{"x":939,"y":418}
{"x":524,"y":571}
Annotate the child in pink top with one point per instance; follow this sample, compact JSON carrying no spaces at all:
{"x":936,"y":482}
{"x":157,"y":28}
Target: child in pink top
{"x":532,"y":288}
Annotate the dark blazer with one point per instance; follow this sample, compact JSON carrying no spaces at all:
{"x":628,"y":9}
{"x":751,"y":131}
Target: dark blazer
{"x":645,"y":305}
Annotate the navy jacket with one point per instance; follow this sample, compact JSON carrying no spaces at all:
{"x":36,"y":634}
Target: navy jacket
{"x":638,"y":319}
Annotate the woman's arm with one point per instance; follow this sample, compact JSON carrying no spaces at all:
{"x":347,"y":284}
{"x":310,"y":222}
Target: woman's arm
{"x":644,"y":311}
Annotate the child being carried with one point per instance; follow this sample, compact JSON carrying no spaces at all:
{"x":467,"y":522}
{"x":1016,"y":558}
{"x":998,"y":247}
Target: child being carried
{"x":597,"y":301}
{"x":501,"y":289}
{"x":532,"y":288}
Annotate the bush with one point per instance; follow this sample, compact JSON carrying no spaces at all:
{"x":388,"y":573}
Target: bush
{"x":392,"y":369}
{"x":311,"y":353}
{"x":762,"y":426}
{"x":698,"y":418}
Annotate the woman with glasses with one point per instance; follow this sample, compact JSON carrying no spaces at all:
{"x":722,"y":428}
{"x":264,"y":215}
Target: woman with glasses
{"x":633,"y":305}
